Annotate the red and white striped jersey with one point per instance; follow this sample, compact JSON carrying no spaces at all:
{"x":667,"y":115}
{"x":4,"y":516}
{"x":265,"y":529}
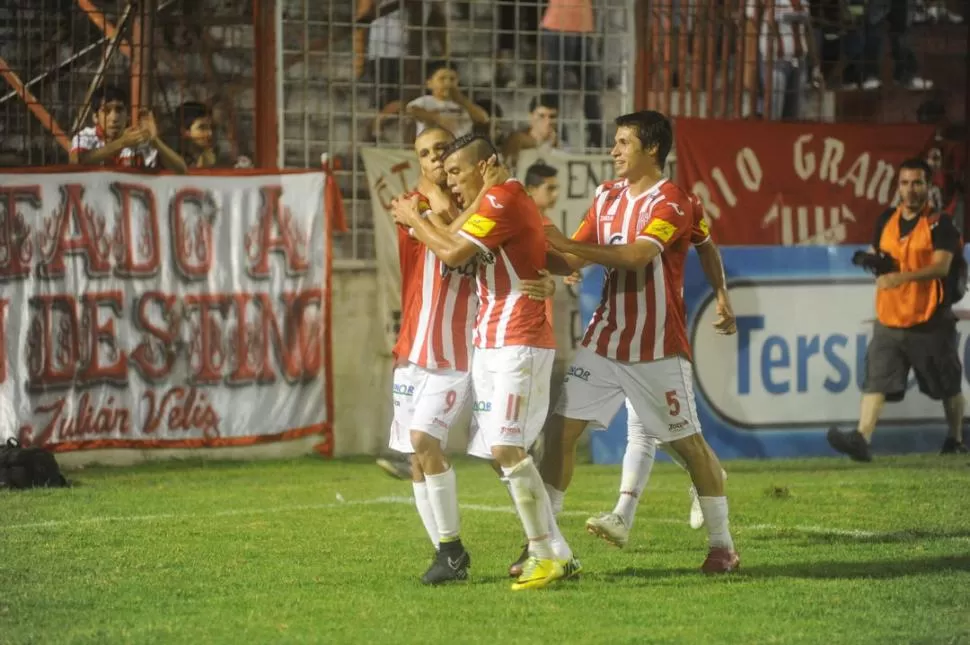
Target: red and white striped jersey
{"x":508,"y":231}
{"x":92,"y":138}
{"x":641,"y":314}
{"x":437,"y":309}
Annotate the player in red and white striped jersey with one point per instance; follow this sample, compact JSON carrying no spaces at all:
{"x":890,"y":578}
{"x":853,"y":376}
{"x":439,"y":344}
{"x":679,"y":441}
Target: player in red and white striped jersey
{"x":636,"y":344}
{"x":514,"y":347}
{"x":432,"y":355}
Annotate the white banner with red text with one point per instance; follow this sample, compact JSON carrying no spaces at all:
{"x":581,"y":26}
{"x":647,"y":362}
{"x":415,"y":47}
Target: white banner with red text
{"x":393,"y":172}
{"x":154,"y":311}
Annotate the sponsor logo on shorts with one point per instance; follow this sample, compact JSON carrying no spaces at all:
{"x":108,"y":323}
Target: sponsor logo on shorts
{"x":578,"y":372}
{"x":482,"y":406}
{"x":677,"y":427}
{"x":511,"y":431}
{"x":403,"y":389}
{"x":438,"y":422}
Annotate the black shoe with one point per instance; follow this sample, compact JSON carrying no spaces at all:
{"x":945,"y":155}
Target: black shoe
{"x":849,"y":443}
{"x":953,"y":447}
{"x":396,"y":469}
{"x":515,"y":569}
{"x":450,"y":565}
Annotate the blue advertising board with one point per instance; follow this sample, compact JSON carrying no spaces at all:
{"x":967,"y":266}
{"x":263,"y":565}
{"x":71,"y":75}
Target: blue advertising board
{"x":796,"y":365}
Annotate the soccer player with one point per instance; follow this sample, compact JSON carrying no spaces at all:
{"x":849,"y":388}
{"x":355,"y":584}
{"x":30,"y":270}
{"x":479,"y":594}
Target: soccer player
{"x":635,"y":345}
{"x":514,"y":346}
{"x":614,"y":527}
{"x":542,"y":184}
{"x":432,"y":360}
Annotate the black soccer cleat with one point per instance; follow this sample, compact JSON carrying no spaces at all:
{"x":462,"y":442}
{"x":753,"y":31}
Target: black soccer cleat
{"x":851,"y":443}
{"x":515,"y":569}
{"x":953,"y":447}
{"x":450,"y":565}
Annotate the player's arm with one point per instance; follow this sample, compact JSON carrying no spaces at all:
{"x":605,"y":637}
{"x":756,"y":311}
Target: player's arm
{"x":451,"y":248}
{"x":558,"y":263}
{"x":713,"y":265}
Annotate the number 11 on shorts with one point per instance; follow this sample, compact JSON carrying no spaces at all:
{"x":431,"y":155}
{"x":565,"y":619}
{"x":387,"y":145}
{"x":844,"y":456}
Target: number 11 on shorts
{"x":512,"y":408}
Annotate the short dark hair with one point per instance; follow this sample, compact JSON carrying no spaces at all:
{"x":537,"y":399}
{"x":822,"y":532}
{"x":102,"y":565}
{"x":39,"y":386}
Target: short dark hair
{"x":538,"y":173}
{"x":432,"y":67}
{"x":479,"y":146}
{"x":550,"y":101}
{"x":192,"y":111}
{"x":109,"y":93}
{"x":653,"y":129}
{"x":916,"y":163}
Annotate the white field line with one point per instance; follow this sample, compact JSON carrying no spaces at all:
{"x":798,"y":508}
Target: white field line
{"x":483,"y":508}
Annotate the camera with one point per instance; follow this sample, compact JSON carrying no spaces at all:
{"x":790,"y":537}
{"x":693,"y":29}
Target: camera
{"x":878,"y":263}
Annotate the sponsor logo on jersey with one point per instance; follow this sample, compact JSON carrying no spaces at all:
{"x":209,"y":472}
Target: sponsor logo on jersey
{"x":494,"y":202}
{"x":482,"y":406}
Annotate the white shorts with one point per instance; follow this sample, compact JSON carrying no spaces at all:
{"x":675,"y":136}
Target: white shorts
{"x":660,"y":392}
{"x":430,"y":401}
{"x":511,"y":393}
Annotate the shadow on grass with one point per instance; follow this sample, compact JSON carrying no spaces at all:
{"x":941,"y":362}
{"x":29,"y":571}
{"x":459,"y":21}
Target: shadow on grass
{"x":879,"y":569}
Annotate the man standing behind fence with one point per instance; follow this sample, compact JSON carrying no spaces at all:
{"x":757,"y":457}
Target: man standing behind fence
{"x":915,"y":327}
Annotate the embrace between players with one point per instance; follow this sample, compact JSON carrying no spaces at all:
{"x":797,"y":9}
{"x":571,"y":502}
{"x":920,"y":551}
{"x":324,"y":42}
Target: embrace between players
{"x":475,"y":256}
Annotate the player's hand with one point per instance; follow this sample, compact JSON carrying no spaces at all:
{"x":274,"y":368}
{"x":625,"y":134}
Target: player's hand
{"x":556,"y":239}
{"x":541,"y":289}
{"x":574,"y":279}
{"x":889,"y":280}
{"x":405,"y":210}
{"x":495,"y":173}
{"x":726,"y":324}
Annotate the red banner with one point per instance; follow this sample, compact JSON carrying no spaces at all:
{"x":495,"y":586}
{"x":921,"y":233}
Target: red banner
{"x":793,"y":183}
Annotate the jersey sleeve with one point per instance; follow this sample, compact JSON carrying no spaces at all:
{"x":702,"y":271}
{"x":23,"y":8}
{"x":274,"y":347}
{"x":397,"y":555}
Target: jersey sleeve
{"x":946,"y":237}
{"x":667,"y":224}
{"x":700,"y":232}
{"x":586,"y":231}
{"x":494,"y":223}
{"x":880,"y":224}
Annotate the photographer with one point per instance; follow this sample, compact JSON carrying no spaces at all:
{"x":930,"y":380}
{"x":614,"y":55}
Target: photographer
{"x":913,"y":250}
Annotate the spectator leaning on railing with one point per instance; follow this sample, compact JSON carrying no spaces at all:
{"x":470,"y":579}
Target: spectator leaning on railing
{"x":112,"y":142}
{"x":915,"y":327}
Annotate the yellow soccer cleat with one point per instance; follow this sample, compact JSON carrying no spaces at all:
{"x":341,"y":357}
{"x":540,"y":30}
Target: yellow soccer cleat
{"x":537,"y":573}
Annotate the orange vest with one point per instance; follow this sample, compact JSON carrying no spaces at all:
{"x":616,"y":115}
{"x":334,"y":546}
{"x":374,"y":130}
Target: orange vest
{"x":913,"y":302}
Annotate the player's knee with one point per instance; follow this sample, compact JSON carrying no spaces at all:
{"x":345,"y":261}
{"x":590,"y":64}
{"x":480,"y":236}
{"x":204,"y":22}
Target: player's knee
{"x":693,"y":448}
{"x":637,"y":436}
{"x":572,"y":430}
{"x":497,"y":467}
{"x":508,"y":456}
{"x":424,"y":444}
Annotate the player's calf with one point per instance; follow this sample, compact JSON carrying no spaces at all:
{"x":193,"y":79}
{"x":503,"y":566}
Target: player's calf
{"x":706,"y":472}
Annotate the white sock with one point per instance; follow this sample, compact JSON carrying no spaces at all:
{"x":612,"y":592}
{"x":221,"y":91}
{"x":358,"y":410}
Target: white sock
{"x":425,"y":512}
{"x":555,"y":499}
{"x":532,"y":503}
{"x":637,"y":464}
{"x":443,"y":495}
{"x":716,"y":520}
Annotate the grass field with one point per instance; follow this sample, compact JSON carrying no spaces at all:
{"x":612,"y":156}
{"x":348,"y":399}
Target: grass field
{"x":832,"y":552}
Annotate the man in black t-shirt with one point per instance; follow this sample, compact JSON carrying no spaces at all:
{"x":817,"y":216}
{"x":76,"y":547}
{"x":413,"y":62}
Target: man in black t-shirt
{"x":915,"y":327}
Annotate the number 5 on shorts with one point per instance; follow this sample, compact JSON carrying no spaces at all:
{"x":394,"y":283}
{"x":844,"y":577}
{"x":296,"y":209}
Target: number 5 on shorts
{"x":673,"y":403}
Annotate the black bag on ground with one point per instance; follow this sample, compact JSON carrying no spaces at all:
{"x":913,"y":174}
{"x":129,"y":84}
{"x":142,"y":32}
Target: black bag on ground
{"x":22,"y":468}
